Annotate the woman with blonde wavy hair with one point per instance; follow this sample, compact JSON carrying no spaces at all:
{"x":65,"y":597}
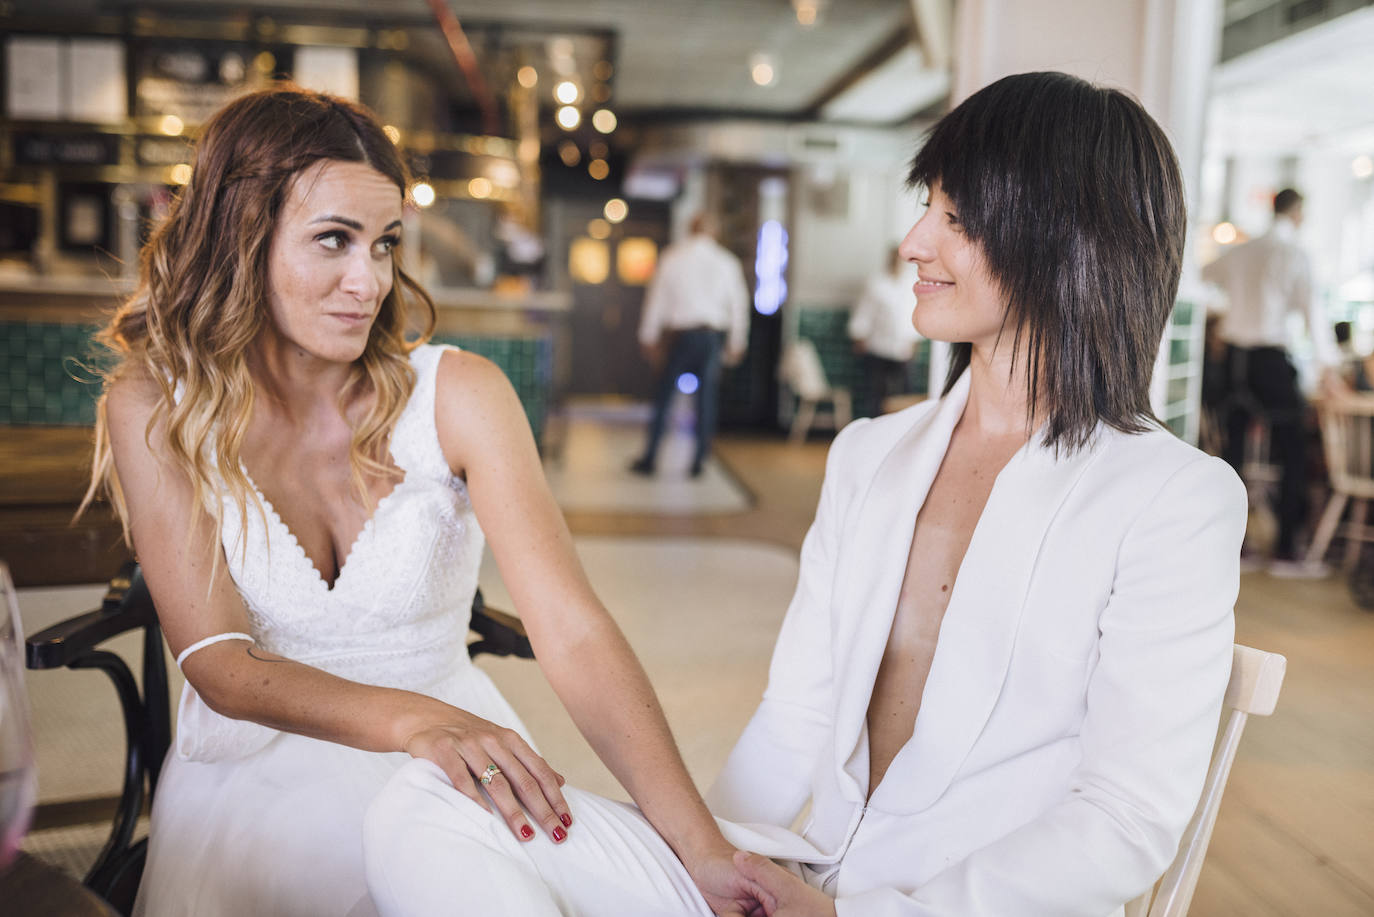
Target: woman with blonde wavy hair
{"x":308,"y":491}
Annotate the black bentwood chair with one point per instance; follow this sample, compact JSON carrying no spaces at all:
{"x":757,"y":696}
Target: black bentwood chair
{"x":128,"y":606}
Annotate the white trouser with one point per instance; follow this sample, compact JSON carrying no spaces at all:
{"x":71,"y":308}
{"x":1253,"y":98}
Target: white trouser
{"x":430,"y":852}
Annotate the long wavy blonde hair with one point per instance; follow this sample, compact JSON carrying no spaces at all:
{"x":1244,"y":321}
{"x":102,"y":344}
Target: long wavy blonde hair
{"x":202,"y":298}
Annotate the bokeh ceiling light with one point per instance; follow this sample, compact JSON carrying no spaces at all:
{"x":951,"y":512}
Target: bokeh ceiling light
{"x":566,"y":92}
{"x":602,"y":70}
{"x":1362,"y":166}
{"x":603,"y":119}
{"x":171,"y":125}
{"x":761,"y":69}
{"x":392,"y":133}
{"x":598,"y":169}
{"x":422,"y":193}
{"x":616,"y":210}
{"x":569,"y":117}
{"x":479,"y":188}
{"x":1224,"y":233}
{"x":180,"y":173}
{"x":527,"y":76}
{"x":599,"y":229}
{"x":569,"y":153}
{"x":808,"y":12}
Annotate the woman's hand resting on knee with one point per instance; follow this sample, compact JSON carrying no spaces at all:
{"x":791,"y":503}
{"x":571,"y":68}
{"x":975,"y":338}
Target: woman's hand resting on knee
{"x":477,"y":754}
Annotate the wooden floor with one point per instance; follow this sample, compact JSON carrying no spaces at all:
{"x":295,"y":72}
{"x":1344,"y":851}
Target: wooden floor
{"x":1295,"y":837}
{"x":1296,"y":830}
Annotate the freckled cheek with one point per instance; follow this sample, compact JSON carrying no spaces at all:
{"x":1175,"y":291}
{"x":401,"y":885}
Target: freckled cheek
{"x":294,"y":295}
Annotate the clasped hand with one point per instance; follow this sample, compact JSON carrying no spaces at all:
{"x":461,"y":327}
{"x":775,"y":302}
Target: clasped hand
{"x":465,"y":746}
{"x":749,"y":885}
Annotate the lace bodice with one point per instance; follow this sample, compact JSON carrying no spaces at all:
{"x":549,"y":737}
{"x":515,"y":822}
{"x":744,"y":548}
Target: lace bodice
{"x":397,"y":614}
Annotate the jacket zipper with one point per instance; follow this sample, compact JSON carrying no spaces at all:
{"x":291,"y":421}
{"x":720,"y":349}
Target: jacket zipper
{"x":830,"y":880}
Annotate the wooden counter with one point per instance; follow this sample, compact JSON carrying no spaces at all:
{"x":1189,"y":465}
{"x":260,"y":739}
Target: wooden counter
{"x":45,"y":470}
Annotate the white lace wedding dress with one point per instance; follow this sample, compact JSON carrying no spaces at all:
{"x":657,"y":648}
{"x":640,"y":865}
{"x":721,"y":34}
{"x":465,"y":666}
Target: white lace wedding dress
{"x":252,"y":821}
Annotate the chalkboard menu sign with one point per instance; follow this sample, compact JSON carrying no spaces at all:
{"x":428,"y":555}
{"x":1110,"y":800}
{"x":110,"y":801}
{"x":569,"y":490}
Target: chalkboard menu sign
{"x":161,"y":151}
{"x":194,"y":80}
{"x":41,"y":148}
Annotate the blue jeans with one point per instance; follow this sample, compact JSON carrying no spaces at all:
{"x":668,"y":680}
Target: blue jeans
{"x":696,"y":351}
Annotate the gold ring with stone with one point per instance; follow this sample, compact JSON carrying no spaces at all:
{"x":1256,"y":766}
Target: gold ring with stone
{"x":487,"y":775}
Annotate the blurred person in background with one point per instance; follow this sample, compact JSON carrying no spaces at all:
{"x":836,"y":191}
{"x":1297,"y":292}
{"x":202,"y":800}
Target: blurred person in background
{"x":883,"y":334}
{"x":1266,"y":280}
{"x":697,"y":301}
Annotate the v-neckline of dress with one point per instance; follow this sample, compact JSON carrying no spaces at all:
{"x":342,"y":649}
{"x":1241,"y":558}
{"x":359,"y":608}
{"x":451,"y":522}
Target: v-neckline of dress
{"x":364,"y":534}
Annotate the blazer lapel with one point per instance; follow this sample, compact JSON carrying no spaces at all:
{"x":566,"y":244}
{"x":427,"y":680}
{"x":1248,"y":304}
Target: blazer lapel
{"x":980,"y":624}
{"x":872,"y":565}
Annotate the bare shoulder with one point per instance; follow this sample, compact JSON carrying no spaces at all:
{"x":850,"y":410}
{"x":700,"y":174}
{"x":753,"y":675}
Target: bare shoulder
{"x":131,"y":398}
{"x":475,"y":405}
{"x":464,"y":370}
{"x":471,"y":385}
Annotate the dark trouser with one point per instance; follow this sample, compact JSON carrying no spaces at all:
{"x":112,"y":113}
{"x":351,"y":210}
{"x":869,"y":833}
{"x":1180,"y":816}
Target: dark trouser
{"x":885,"y":377}
{"x":1263,"y":383}
{"x":696,"y":351}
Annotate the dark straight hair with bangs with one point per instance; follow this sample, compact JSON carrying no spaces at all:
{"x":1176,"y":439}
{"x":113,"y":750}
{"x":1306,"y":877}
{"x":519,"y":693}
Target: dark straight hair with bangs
{"x":1074,"y":195}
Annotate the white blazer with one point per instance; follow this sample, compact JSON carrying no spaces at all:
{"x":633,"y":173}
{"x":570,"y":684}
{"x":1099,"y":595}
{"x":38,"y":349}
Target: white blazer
{"x":1072,"y":702}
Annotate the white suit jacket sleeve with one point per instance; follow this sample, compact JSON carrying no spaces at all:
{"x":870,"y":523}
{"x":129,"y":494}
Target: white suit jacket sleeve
{"x":767,"y":778}
{"x":1153,"y":702}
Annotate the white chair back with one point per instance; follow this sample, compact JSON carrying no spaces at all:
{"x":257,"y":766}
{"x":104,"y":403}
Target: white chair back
{"x":1348,"y":443}
{"x":802,"y":371}
{"x":1256,"y":677}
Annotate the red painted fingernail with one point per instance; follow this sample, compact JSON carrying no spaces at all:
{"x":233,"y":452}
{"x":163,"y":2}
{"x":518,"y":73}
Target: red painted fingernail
{"x":559,"y":834}
{"x":526,"y":832}
{"x":566,"y":819}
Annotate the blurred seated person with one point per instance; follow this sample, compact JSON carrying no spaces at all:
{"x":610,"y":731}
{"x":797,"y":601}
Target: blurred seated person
{"x":1076,"y":561}
{"x":1345,"y":343}
{"x":883,"y":333}
{"x":1353,"y":371}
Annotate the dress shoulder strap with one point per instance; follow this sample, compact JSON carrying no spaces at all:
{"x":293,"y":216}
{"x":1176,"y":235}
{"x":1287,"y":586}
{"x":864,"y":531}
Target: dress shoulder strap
{"x":415,"y":441}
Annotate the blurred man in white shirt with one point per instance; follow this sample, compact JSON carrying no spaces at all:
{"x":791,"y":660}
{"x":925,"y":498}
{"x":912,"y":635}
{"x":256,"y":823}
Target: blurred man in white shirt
{"x":699,"y":301}
{"x":883,"y":333}
{"x":1266,"y":279}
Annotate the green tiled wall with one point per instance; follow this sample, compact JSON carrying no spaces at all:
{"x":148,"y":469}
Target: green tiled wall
{"x":41,"y":377}
{"x":42,"y":380}
{"x":527,"y":362}
{"x":827,"y":329}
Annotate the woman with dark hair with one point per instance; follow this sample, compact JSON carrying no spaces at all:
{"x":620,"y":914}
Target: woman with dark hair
{"x":998,"y":683}
{"x":308,"y":492}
